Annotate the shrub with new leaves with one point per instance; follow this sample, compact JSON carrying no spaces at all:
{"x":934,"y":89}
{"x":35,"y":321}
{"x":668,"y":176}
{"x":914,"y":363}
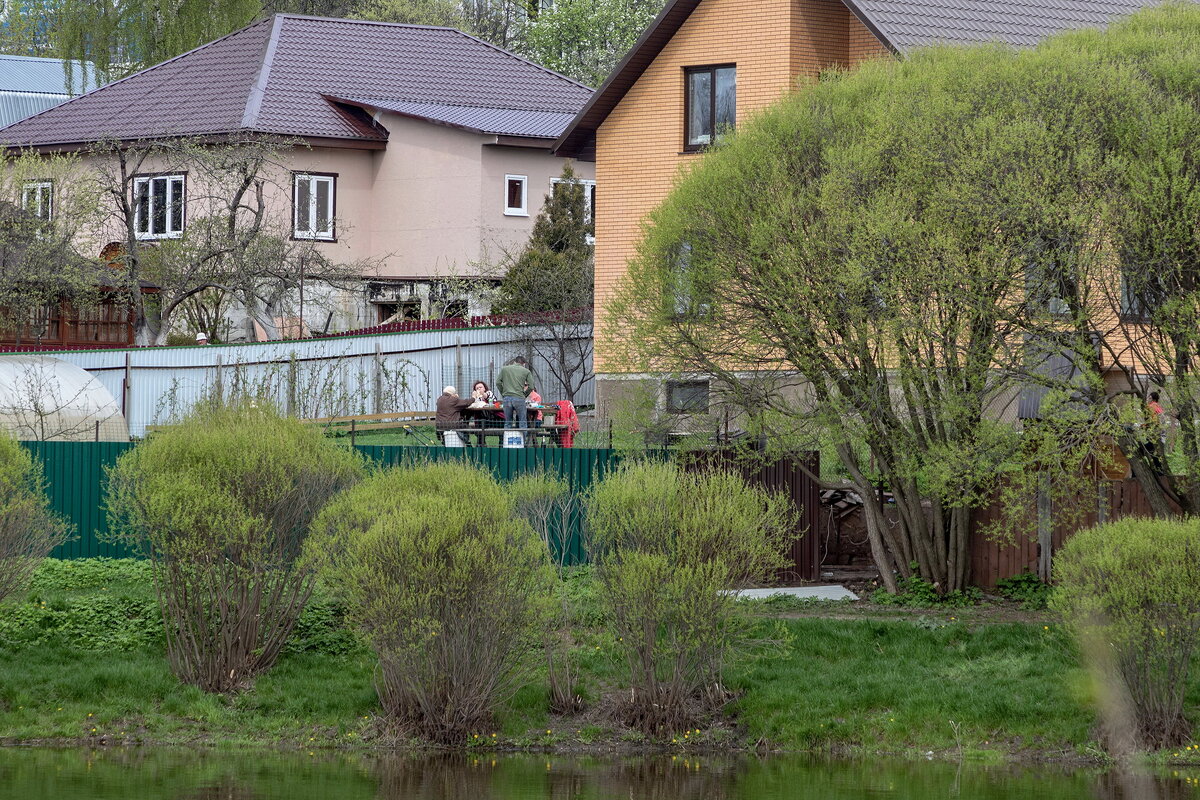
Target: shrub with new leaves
{"x":1133,"y":588}
{"x":221,"y":504}
{"x":29,"y":530}
{"x":446,"y":583}
{"x":672,"y":548}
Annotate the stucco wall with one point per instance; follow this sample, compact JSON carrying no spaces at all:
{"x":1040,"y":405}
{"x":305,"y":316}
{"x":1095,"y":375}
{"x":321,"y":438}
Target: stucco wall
{"x":430,"y":205}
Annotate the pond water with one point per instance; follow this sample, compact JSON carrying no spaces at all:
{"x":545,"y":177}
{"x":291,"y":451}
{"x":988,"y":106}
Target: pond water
{"x":167,"y":774}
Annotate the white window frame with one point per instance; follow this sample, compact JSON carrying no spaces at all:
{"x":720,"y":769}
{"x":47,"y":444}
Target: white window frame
{"x":174,"y":182}
{"x":523,"y":209}
{"x":45,"y":198}
{"x":312,"y":179}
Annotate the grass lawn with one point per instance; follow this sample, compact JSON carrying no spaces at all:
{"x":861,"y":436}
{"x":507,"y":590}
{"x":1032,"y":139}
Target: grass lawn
{"x":81,"y":660}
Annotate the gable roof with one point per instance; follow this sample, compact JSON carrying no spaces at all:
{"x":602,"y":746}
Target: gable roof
{"x":899,"y":24}
{"x":285,"y":74}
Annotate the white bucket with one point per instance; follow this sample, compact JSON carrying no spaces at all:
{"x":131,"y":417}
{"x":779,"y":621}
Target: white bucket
{"x":452,"y":439}
{"x":514,"y":439}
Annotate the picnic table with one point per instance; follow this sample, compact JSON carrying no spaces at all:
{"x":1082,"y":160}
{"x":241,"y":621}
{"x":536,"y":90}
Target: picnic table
{"x":544,"y":436}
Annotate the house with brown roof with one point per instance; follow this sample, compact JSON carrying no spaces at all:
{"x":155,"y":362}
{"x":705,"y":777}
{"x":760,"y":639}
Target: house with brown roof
{"x":705,"y":65}
{"x":421,"y":151}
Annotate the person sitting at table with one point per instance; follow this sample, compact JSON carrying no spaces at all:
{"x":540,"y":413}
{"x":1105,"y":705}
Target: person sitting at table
{"x":449,"y":411}
{"x":480,"y":391}
{"x":535,"y":417}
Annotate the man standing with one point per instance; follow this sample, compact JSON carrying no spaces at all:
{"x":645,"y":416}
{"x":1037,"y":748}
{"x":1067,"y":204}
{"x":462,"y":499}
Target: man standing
{"x":514,"y":381}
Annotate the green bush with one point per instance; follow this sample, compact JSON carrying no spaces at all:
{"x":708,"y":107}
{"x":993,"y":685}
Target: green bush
{"x":916,"y":592}
{"x":1131,"y":591}
{"x":546,"y":502}
{"x":671,"y":549}
{"x":109,"y":605}
{"x":447,"y":585}
{"x":221,"y":504}
{"x":1028,"y":589}
{"x":29,"y":530}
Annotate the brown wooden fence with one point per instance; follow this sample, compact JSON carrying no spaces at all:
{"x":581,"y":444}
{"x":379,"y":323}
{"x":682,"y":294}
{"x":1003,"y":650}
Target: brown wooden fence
{"x":1033,"y":549}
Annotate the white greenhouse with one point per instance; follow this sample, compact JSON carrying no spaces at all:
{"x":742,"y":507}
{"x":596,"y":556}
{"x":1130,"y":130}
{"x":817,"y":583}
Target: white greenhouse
{"x":45,"y":398}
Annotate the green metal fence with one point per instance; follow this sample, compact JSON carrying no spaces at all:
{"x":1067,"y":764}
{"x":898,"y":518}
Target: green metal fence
{"x":75,"y":477}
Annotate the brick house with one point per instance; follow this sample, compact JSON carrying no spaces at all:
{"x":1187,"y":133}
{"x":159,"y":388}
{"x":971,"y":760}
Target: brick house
{"x":421,"y":150}
{"x":703,"y":64}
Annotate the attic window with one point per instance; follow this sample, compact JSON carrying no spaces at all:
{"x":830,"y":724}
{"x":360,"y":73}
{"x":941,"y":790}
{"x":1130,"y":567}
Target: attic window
{"x":158,"y":206}
{"x":515,"y":195}
{"x":710,"y":104}
{"x":37,"y":197}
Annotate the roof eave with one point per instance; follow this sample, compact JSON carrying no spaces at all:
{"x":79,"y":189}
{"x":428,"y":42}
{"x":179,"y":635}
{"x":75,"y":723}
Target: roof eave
{"x":575,"y":138}
{"x":870,"y":24}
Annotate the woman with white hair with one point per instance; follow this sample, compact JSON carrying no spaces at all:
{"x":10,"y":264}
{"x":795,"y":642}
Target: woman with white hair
{"x":449,"y":411}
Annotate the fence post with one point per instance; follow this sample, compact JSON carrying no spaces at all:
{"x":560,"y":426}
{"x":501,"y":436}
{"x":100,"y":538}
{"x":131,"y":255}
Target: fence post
{"x":353,"y":425}
{"x":1045,"y":528}
{"x":378,"y":380}
{"x":125,"y":389}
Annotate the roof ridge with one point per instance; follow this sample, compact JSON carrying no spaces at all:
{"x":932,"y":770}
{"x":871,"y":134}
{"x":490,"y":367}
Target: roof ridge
{"x":258,"y":89}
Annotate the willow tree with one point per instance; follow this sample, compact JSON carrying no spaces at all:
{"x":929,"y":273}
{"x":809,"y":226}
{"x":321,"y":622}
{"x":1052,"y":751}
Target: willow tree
{"x":1149,"y":315}
{"x":855,"y":265}
{"x":120,"y":37}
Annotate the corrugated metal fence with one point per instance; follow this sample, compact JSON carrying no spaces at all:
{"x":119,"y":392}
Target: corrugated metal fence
{"x":75,"y":476}
{"x":333,"y":376}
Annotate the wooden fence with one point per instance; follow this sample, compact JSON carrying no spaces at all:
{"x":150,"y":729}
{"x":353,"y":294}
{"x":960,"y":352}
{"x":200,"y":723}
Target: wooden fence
{"x":75,"y":477}
{"x":1032,"y":550}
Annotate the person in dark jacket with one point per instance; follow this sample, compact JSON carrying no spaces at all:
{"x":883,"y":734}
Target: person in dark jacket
{"x":449,"y":411}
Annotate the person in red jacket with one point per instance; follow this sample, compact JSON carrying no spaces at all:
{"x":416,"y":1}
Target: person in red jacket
{"x":566,"y":416}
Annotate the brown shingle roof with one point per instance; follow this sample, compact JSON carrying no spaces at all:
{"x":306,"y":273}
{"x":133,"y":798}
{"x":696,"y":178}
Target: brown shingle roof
{"x":280,"y":76}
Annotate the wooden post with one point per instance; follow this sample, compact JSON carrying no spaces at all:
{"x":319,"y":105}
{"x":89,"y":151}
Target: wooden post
{"x":353,"y":426}
{"x":1045,"y":528}
{"x":97,"y":430}
{"x":125,"y":388}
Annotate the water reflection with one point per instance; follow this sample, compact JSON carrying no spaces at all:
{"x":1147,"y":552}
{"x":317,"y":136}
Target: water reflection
{"x":177,"y":774}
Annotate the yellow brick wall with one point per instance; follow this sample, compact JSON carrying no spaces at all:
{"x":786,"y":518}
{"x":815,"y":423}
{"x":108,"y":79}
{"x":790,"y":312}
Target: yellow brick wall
{"x":638,"y":147}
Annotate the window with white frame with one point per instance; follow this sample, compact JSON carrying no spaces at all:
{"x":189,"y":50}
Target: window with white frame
{"x":516,"y":195}
{"x":37,"y":197}
{"x":314,"y":204}
{"x":158,"y":206}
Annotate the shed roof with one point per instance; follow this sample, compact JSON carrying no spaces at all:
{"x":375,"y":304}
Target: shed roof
{"x":899,"y":24}
{"x":283,"y":76}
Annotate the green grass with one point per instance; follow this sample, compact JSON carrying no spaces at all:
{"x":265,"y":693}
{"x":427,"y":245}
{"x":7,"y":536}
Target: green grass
{"x":980,"y":690}
{"x":898,"y":686}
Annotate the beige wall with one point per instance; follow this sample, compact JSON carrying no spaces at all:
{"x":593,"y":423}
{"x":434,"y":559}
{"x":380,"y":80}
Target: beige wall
{"x":432,"y":203}
{"x":638,"y":147}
